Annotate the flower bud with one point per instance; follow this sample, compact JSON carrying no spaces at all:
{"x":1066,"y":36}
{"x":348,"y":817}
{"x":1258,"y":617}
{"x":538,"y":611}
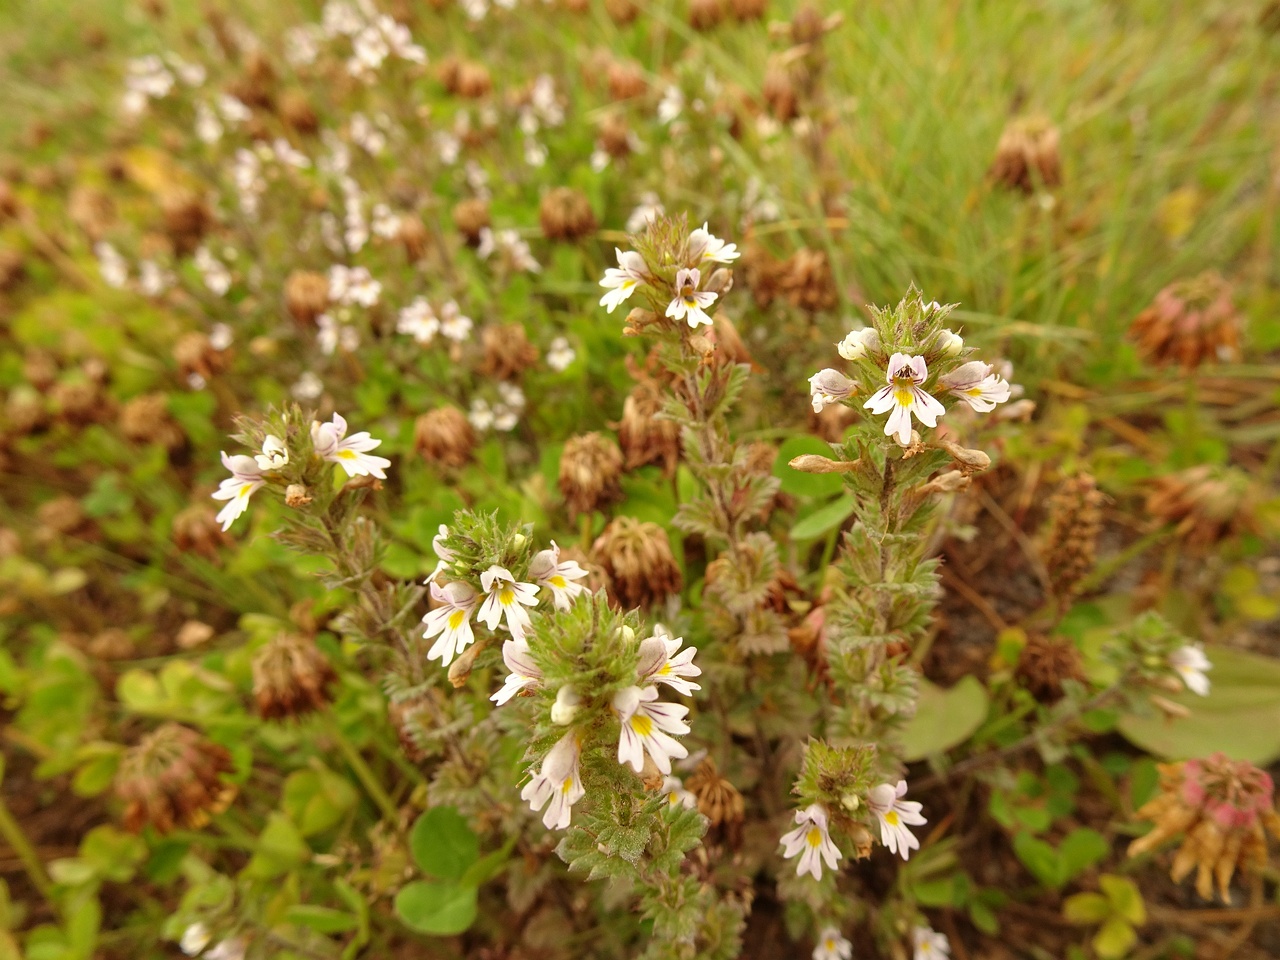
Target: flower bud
{"x":949,"y":482}
{"x":566,"y":707}
{"x":461,"y":667}
{"x":971,"y":461}
{"x":948,"y":343}
{"x":858,"y":343}
{"x":813,"y":463}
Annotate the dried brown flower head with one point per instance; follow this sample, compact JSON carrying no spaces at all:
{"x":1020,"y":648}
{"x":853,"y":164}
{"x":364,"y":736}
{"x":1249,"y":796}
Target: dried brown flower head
{"x":1045,"y":662}
{"x":13,"y":269}
{"x":626,"y":80}
{"x":746,"y":10}
{"x":196,"y":530}
{"x":92,"y":210}
{"x":643,"y":437}
{"x":173,"y":778}
{"x":467,"y":78}
{"x":706,"y":14}
{"x":590,"y":467}
{"x":779,"y":90}
{"x":291,"y":677}
{"x":1189,"y":323}
{"x":187,"y":218}
{"x":406,"y":717}
{"x":64,"y":517}
{"x":615,"y":136}
{"x":297,"y":113}
{"x":306,"y":296}
{"x":1071,"y":542}
{"x":1027,"y":156}
{"x":444,"y":436}
{"x":470,"y":217}
{"x":195,"y":354}
{"x":808,"y":282}
{"x":719,"y":801}
{"x":565,"y":214}
{"x":1221,"y":807}
{"x":79,"y":402}
{"x":39,"y":369}
{"x":621,"y":12}
{"x":764,"y":273}
{"x":413,"y":237}
{"x":808,"y":24}
{"x":255,"y":87}
{"x":112,"y":644}
{"x":146,"y":419}
{"x":507,"y":351}
{"x":637,"y":559}
{"x":1207,"y":504}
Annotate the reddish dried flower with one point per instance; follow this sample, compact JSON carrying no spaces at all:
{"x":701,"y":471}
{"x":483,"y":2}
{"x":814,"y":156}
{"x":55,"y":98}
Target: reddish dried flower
{"x":1027,"y":155}
{"x":706,"y":14}
{"x":507,"y":351}
{"x":643,"y":437}
{"x":444,"y":436}
{"x":306,"y":296}
{"x":590,"y":467}
{"x":471,"y":217}
{"x":291,"y":677}
{"x":637,"y":559}
{"x":626,"y":80}
{"x":187,"y":218}
{"x":1207,"y":504}
{"x":195,"y":354}
{"x":196,"y":530}
{"x":146,"y":419}
{"x":565,"y":214}
{"x":1189,"y":323}
{"x":173,"y":778}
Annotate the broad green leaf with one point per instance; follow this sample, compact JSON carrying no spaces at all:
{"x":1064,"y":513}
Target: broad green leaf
{"x":316,"y":799}
{"x":443,"y":843}
{"x":1114,"y":939}
{"x":944,"y":718}
{"x":1086,"y":908}
{"x":1080,"y":849}
{"x":823,"y":519}
{"x":280,"y":849}
{"x":1125,"y":897}
{"x":1040,"y":858}
{"x":320,"y":919}
{"x":805,"y":484}
{"x":113,"y":854}
{"x":443,"y":909}
{"x":1240,"y":716}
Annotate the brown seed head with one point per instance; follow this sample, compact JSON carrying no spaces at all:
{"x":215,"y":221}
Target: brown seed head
{"x":146,"y":419}
{"x":1207,"y":504}
{"x":808,"y":25}
{"x":643,"y":437}
{"x":1071,"y":542}
{"x":472,"y":80}
{"x":194,"y":354}
{"x":92,"y":210}
{"x":291,"y":677}
{"x":779,"y":90}
{"x":1045,"y":662}
{"x":706,"y":14}
{"x":1189,"y":323}
{"x":196,"y":530}
{"x":79,"y":402}
{"x":615,"y":136}
{"x":507,"y":351}
{"x":296,"y":496}
{"x":745,"y":10}
{"x":297,"y":113}
{"x":637,"y":559}
{"x":719,"y":801}
{"x":590,"y":467}
{"x":622,"y":12}
{"x":306,"y":296}
{"x":413,"y":237}
{"x":187,"y":218}
{"x":256,"y":86}
{"x":808,"y":282}
{"x":444,"y":436}
{"x":470,"y":217}
{"x":1027,"y":156}
{"x":626,"y":80}
{"x":566,"y":214}
{"x":173,"y":778}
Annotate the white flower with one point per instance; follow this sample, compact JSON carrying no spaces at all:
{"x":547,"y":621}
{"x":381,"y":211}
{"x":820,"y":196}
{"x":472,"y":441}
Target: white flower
{"x":232,"y":948}
{"x":560,"y":354}
{"x":194,"y":939}
{"x":566,"y":707}
{"x":677,"y":794}
{"x":208,"y":127}
{"x":386,"y":223}
{"x":453,"y":324}
{"x":331,"y":443}
{"x":621,"y":281}
{"x":214,"y":273}
{"x":370,"y":48}
{"x":557,"y":781}
{"x":929,"y":944}
{"x":221,"y":336}
{"x":711,"y":249}
{"x":894,"y":813}
{"x":274,"y":454}
{"x":511,"y":394}
{"x":645,"y":728}
{"x":112,"y":266}
{"x":400,"y":40}
{"x":547,"y":570}
{"x":308,"y":387}
{"x":832,"y":946}
{"x":690,"y":302}
{"x":340,"y":19}
{"x":330,"y":335}
{"x":903,"y":396}
{"x":829,"y":386}
{"x":524,"y":672}
{"x":236,"y":489}
{"x":672,"y":104}
{"x":233,"y":110}
{"x":976,"y":385}
{"x":353,"y":285}
{"x":480,"y":415}
{"x":812,"y":838}
{"x":419,"y":321}
{"x":302,"y":44}
{"x":451,"y":620}
{"x":535,"y":154}
{"x":645,"y":213}
{"x":1191,"y":663}
{"x":153,"y":279}
{"x":506,"y":597}
{"x":857,"y":342}
{"x":443,"y":554}
{"x":660,"y":663}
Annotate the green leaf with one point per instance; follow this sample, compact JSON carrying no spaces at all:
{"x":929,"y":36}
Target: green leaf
{"x":1125,"y":897}
{"x":71,"y":871}
{"x":1040,"y":858}
{"x":113,"y":854}
{"x":1080,"y":849}
{"x":316,"y":799}
{"x":443,"y":843}
{"x":944,"y":718}
{"x":443,"y":909}
{"x":280,"y":849}
{"x":320,"y":919}
{"x":1114,"y":939}
{"x":1086,"y":908}
{"x":801,"y":484}
{"x":984,"y":918}
{"x":823,"y":519}
{"x":1240,"y":717}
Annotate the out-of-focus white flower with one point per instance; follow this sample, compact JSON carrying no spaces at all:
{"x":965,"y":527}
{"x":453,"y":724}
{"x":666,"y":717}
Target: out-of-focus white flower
{"x":904,"y":397}
{"x":221,"y":336}
{"x":929,"y":944}
{"x":246,"y":477}
{"x":510,"y":245}
{"x":556,"y":781}
{"x":331,"y":443}
{"x":233,"y":948}
{"x":480,"y":415}
{"x":646,"y":725}
{"x":475,"y":9}
{"x":560,"y":354}
{"x":544,"y":102}
{"x":330,"y":335}
{"x":812,"y":842}
{"x":208,"y":126}
{"x":419,"y":321}
{"x":1191,"y":663}
{"x":369,"y":48}
{"x":194,"y":939}
{"x":671,"y":105}
{"x":690,"y":303}
{"x":448,"y":147}
{"x":454,"y":325}
{"x":233,"y":111}
{"x":287,"y":154}
{"x":192,"y":74}
{"x":112,"y":266}
{"x":341,"y":18}
{"x":648,"y":210}
{"x":895,"y":814}
{"x":832,"y":946}
{"x":302,"y":44}
{"x":216,"y":276}
{"x":400,"y":40}
{"x":146,"y":78}
{"x":308,"y":387}
{"x":366,"y":135}
{"x":353,"y":286}
{"x":451,"y":620}
{"x":386,"y":222}
{"x":246,"y":173}
{"x":535,"y":154}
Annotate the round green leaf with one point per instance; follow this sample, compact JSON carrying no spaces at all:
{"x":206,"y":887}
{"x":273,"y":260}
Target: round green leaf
{"x":443,"y":909}
{"x":944,"y":718}
{"x":805,"y":484}
{"x":443,"y":843}
{"x":316,"y":799}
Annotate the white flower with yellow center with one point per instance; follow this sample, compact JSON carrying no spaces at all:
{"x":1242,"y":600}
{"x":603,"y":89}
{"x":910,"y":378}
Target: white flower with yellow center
{"x":929,"y":944}
{"x":832,"y":946}
{"x":976,"y":385}
{"x":331,"y":443}
{"x":646,"y":725}
{"x":451,"y":620}
{"x":621,"y":281}
{"x":246,"y":477}
{"x":677,"y":795}
{"x":904,"y":397}
{"x":547,"y":570}
{"x":662,"y":661}
{"x":1191,"y":664}
{"x":690,"y":303}
{"x":505,"y":599}
{"x":811,"y":841}
{"x":706,"y":248}
{"x":894,"y":815}
{"x":419,"y":321}
{"x":524,"y":672}
{"x":557,"y":781}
